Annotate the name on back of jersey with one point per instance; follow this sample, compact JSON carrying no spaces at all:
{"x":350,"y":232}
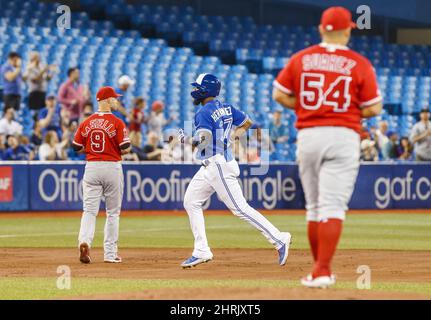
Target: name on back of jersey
{"x":328,"y":62}
{"x":220,"y":112}
{"x":102,"y":124}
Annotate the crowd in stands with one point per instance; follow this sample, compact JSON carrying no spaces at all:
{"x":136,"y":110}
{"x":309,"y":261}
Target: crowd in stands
{"x":383,"y":144}
{"x":57,"y":115}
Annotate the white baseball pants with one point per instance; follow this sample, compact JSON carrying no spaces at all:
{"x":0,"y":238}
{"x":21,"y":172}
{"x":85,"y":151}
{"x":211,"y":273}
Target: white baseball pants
{"x":221,"y":177}
{"x":102,"y":179}
{"x":328,"y":159}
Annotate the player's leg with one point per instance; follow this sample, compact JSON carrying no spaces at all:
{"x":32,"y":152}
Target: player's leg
{"x":198,"y":191}
{"x":336,"y":183}
{"x":309,"y":157}
{"x":113,"y":191}
{"x":223,"y":177}
{"x":92,"y":193}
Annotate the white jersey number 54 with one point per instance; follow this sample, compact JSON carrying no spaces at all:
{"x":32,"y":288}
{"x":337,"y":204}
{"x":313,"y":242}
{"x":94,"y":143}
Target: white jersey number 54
{"x":337,"y":95}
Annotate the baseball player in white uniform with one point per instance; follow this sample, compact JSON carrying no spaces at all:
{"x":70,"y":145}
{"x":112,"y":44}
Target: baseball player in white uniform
{"x":331,"y":88}
{"x":103,"y":137}
{"x":214,"y":123}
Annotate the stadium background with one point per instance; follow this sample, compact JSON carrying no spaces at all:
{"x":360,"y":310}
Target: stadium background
{"x":163,"y":45}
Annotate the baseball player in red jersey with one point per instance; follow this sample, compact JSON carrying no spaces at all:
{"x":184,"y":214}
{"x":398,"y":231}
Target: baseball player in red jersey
{"x":331,"y":88}
{"x":104,"y":138}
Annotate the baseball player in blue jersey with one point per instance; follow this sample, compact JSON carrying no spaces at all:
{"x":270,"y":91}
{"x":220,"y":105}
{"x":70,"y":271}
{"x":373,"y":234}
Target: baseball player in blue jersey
{"x":215,"y":123}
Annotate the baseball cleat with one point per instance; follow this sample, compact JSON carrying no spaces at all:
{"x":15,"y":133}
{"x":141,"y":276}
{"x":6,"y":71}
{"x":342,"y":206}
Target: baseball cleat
{"x":84,"y":253}
{"x":322,"y":282}
{"x":283,"y":251}
{"x":115,"y":260}
{"x":193,"y":262}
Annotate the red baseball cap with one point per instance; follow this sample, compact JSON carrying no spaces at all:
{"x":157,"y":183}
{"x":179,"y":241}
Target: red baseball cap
{"x":157,"y":105}
{"x":336,"y":18}
{"x":106,"y":93}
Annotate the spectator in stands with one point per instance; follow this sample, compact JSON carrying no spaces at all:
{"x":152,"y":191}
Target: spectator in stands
{"x":8,"y":125}
{"x":25,"y":142}
{"x":381,"y":134}
{"x":372,"y":133}
{"x":37,"y":137}
{"x":65,"y":119}
{"x":239,"y":150}
{"x":153,"y":150}
{"x":259,"y":144}
{"x":2,"y":146}
{"x":38,"y":75}
{"x":174,"y":151}
{"x":368,"y":150}
{"x":364,"y":134}
{"x":52,"y":149}
{"x":50,"y":116}
{"x":137,"y":117}
{"x":188,"y":152}
{"x":405,"y":149}
{"x":122,"y":113}
{"x":72,"y":95}
{"x":420,"y":137}
{"x":137,"y":153}
{"x":253,"y":154}
{"x":12,"y":80}
{"x":277,"y":130}
{"x":69,"y":129}
{"x":17,"y":152}
{"x":156,"y":120}
{"x":253,"y":146}
{"x":88,"y":111}
{"x":389,"y":149}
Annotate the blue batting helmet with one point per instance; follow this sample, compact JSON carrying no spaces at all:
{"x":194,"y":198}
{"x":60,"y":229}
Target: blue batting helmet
{"x":206,"y":85}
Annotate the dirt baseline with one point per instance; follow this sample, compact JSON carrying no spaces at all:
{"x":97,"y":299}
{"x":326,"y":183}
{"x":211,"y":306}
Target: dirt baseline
{"x":228,"y":264}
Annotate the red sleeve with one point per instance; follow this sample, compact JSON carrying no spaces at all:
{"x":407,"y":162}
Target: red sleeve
{"x":122,"y":133}
{"x":285,"y":79}
{"x":368,"y":93}
{"x":79,"y":139}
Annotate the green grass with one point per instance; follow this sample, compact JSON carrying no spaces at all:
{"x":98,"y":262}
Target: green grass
{"x":46,"y":288}
{"x":370,"y":231}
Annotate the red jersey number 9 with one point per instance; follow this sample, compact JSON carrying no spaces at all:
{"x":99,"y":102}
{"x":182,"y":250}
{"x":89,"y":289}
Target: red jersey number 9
{"x":97,"y":139}
{"x":337,"y":95}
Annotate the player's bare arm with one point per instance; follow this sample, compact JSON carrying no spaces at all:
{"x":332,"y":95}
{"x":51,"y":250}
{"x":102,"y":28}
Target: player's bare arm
{"x":240,"y":131}
{"x":286,"y":100}
{"x":47,"y":120}
{"x":421,"y":136}
{"x":372,"y":111}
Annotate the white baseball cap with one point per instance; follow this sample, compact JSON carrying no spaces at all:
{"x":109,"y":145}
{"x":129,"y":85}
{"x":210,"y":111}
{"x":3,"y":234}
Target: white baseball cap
{"x":125,"y":79}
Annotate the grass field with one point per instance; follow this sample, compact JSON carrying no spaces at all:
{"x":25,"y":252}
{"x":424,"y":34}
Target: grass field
{"x":21,"y":239}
